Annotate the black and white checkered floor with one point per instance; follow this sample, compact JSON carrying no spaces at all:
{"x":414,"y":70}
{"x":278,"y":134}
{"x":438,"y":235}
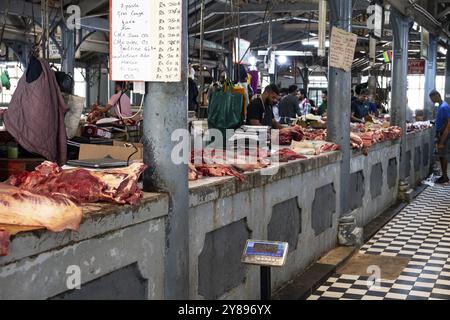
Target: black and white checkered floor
{"x":420,"y":232}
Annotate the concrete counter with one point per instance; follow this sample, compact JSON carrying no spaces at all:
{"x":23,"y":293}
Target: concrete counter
{"x":119,"y":251}
{"x":114,"y":245}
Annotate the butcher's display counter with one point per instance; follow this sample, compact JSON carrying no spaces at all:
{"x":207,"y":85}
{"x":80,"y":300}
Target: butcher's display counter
{"x":117,"y":247}
{"x":119,"y":251}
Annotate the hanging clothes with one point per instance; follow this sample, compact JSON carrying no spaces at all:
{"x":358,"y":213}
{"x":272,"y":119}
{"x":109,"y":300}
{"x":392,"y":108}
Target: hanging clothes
{"x":35,"y":116}
{"x":255,"y":80}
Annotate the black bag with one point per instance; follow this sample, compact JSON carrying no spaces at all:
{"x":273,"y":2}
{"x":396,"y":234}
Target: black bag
{"x":65,"y":81}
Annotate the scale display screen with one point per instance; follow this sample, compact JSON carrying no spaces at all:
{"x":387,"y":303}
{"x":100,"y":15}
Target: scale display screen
{"x":267,"y":253}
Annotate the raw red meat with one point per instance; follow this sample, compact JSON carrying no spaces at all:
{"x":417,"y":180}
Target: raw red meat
{"x":94,"y":115}
{"x":4,"y":243}
{"x":218,"y":170}
{"x":286,"y":135}
{"x":24,"y":208}
{"x":80,"y":185}
{"x":315,"y":134}
{"x":192,"y":174}
{"x":286,"y":154}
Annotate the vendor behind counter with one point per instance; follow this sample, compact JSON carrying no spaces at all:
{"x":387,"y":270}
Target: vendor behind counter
{"x":260,"y":113}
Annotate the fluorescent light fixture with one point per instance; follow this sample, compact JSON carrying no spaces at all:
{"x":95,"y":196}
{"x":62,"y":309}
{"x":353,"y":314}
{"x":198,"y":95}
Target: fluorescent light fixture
{"x":315,"y":43}
{"x":287,"y":53}
{"x":282,"y":59}
{"x":442,"y":50}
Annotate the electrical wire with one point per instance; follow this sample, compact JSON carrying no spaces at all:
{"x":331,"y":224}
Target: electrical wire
{"x":119,"y":111}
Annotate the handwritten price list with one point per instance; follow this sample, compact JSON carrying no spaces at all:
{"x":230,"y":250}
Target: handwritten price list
{"x":169,"y":41}
{"x":342,"y":49}
{"x":145,"y":40}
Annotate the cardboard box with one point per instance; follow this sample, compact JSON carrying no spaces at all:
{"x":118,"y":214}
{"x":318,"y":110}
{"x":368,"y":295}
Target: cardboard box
{"x":119,"y":150}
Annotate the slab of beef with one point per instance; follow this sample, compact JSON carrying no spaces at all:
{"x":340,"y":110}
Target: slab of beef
{"x":218,"y":170}
{"x":81,"y":185}
{"x":20,"y":207}
{"x":286,"y":154}
{"x":4,"y":243}
{"x":192,"y":173}
{"x":286,"y":135}
{"x":315,"y":134}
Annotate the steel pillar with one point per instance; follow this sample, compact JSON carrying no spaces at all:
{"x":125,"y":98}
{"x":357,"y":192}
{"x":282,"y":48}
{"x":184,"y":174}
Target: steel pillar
{"x":400,"y":29}
{"x":68,"y":54}
{"x":447,"y":76}
{"x":88,"y":86}
{"x":165,"y":111}
{"x":430,"y":78}
{"x":339,"y":87}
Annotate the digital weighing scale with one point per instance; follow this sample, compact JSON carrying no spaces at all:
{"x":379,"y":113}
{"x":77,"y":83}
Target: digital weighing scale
{"x":266,"y":254}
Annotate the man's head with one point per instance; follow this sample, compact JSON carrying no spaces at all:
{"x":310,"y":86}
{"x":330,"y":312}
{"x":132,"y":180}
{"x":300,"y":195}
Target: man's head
{"x":302,"y":94}
{"x":363,"y":95}
{"x":324,"y":95}
{"x":284,"y":92}
{"x":119,"y":86}
{"x":353,"y":92}
{"x":271,"y":94}
{"x":435,"y":96}
{"x":293,"y":89}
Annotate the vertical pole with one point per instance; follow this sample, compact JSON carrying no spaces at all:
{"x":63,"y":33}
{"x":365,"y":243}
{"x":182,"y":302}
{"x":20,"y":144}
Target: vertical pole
{"x":88,"y":86}
{"x":447,"y":76}
{"x":166,"y":106}
{"x":400,"y":28}
{"x":68,"y":58}
{"x":339,"y":87}
{"x":202,"y":37}
{"x":430,"y":78}
{"x":266,"y":285}
{"x":273,"y":77}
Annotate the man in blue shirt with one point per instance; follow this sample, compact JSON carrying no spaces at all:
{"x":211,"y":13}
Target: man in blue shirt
{"x":442,"y":119}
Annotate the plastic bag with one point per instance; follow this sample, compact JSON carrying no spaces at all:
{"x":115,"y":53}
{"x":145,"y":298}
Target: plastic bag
{"x":225,"y":110}
{"x":73,"y":116}
{"x":5,"y":80}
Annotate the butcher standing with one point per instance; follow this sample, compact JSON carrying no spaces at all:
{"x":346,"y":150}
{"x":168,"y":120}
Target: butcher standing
{"x":442,"y":141}
{"x":259,"y":111}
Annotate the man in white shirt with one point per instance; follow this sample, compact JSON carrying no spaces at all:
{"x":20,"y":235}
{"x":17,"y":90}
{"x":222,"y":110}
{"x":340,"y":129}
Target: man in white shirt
{"x":305,"y":106}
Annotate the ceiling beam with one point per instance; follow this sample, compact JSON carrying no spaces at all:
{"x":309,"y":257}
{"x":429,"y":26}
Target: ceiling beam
{"x":25,"y":9}
{"x":87,"y":6}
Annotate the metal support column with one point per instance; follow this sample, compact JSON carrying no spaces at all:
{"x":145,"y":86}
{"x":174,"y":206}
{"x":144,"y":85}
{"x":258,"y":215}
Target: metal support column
{"x":400,"y":29}
{"x":88,"y":86}
{"x":339,"y":87}
{"x":305,"y":72}
{"x":430,"y":78}
{"x":166,"y":106}
{"x":447,"y":76}
{"x":68,"y":54}
{"x":202,"y":37}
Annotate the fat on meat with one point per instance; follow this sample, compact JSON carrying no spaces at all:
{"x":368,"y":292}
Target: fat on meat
{"x":81,"y":185}
{"x":24,"y":208}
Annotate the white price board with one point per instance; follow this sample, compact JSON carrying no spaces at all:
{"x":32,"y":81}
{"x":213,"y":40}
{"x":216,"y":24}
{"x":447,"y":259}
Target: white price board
{"x":342,"y":49}
{"x":145,"y":40}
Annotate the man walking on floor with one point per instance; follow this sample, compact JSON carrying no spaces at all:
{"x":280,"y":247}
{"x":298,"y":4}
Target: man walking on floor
{"x":441,"y":123}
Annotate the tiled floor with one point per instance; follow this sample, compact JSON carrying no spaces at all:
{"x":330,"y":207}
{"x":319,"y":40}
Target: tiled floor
{"x":420,"y":232}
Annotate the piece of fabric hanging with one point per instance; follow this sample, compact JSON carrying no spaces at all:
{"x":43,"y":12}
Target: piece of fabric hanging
{"x":254,"y":81}
{"x":35,"y":116}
